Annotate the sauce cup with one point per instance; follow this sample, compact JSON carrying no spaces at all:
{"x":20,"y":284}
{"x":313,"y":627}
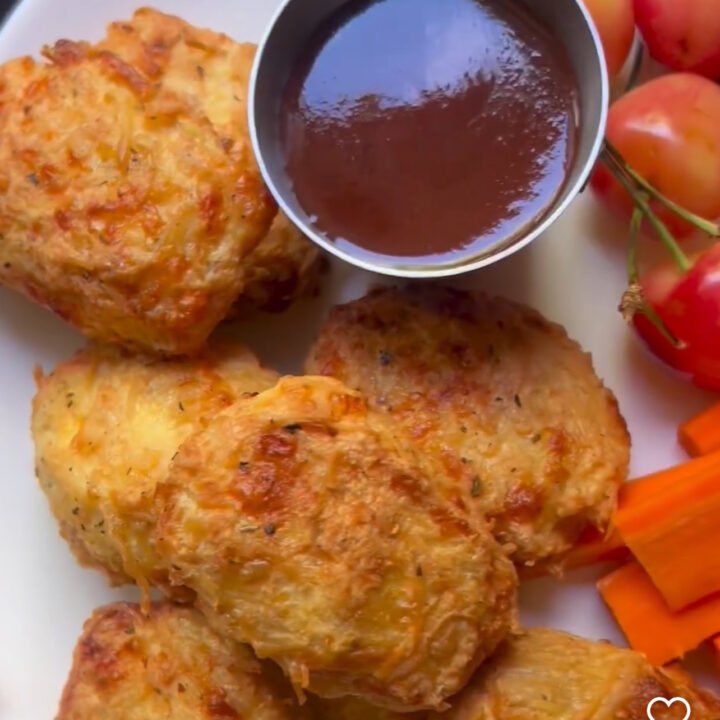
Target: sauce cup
{"x":289,"y":35}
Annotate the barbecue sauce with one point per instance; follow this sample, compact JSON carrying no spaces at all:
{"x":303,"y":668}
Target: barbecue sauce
{"x":424,"y":129}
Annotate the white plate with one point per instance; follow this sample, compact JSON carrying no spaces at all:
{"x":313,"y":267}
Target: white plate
{"x":574,"y":274}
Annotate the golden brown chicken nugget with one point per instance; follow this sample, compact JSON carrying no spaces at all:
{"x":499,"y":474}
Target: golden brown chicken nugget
{"x":309,"y":531}
{"x":123,"y":207}
{"x":550,"y":675}
{"x":168,"y":665}
{"x":510,"y":406}
{"x":212,"y":71}
{"x":106,"y":425}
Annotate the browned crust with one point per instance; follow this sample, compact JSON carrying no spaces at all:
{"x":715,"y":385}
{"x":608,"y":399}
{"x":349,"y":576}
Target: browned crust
{"x":128,"y":205}
{"x":526,"y":432}
{"x":166,"y":664}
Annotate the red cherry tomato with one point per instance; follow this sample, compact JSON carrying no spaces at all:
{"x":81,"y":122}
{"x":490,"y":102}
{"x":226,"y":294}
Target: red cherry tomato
{"x":615,"y":22}
{"x":689,"y":305}
{"x":682,"y":34}
{"x":669,"y":131}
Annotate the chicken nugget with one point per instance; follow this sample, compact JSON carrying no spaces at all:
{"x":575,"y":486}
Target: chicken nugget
{"x":309,"y":531}
{"x":168,"y":665}
{"x":127,"y":205}
{"x":106,"y":425}
{"x":550,"y":675}
{"x":510,"y":406}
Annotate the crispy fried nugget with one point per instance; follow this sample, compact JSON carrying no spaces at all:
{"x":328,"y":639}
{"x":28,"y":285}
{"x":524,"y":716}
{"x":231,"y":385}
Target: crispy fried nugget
{"x":127,"y":205}
{"x":512,"y":408}
{"x":105,"y":427}
{"x":168,"y":665}
{"x":550,"y":675}
{"x":309,"y":531}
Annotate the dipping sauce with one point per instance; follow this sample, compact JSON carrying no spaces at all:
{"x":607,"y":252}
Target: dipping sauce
{"x":420,"y":129}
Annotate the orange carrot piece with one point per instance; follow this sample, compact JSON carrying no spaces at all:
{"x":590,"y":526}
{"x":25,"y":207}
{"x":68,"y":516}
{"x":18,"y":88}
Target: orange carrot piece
{"x":671,"y":523}
{"x":648,"y":624}
{"x":701,"y":434}
{"x":647,"y":488}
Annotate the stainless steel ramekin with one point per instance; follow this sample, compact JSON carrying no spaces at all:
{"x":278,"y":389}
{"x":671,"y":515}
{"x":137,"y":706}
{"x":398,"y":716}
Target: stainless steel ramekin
{"x":288,"y":35}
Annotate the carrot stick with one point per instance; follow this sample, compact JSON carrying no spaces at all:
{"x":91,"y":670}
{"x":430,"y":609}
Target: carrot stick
{"x":648,"y":624}
{"x":701,"y":434}
{"x":645,"y":489}
{"x":671,"y":523}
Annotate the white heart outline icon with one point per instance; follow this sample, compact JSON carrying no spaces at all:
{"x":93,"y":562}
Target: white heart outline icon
{"x":669,"y":704}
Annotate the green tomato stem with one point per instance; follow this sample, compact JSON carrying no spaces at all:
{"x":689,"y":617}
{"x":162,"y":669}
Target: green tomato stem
{"x":706,"y":226}
{"x":661,"y":230}
{"x":649,"y":312}
{"x":634,"y":300}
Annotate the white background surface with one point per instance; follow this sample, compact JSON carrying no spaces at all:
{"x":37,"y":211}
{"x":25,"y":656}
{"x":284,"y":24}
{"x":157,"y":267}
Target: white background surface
{"x":574,"y":274}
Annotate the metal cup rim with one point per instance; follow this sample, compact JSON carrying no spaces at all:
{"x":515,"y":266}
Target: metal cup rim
{"x":393,"y":266}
